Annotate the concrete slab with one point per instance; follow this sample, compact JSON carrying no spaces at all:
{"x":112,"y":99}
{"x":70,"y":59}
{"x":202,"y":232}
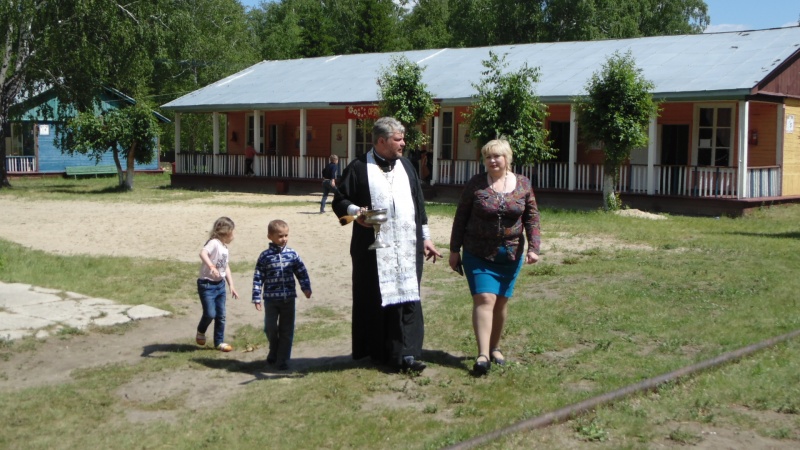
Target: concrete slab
{"x":139,"y":312}
{"x":27,"y":310}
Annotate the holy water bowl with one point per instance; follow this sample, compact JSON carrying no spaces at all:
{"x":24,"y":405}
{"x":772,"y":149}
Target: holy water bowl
{"x":376,"y":218}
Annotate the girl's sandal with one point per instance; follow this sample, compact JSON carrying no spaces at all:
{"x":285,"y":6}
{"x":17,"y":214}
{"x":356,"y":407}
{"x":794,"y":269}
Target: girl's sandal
{"x":501,"y":361}
{"x":224,"y":347}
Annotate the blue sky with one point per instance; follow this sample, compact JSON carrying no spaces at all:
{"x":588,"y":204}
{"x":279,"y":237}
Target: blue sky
{"x":731,"y":15}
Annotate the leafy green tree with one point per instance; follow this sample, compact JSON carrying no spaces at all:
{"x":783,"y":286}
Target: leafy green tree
{"x":377,"y":26}
{"x":506,"y":106}
{"x":130,"y":133}
{"x":518,"y":22}
{"x":17,"y":19}
{"x":471,"y":23}
{"x":277,"y":30}
{"x":405,"y":97}
{"x":425,"y":26}
{"x":616,"y":112}
{"x":204,"y":41}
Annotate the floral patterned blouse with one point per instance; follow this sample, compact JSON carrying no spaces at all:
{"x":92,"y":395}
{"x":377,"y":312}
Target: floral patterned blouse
{"x":485,"y":219}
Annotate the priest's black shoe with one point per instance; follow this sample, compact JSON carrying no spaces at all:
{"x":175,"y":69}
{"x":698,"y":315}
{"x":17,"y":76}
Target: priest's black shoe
{"x":412,"y":365}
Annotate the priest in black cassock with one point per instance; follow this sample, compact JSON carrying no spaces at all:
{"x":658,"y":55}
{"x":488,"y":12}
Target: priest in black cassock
{"x":387,"y":312}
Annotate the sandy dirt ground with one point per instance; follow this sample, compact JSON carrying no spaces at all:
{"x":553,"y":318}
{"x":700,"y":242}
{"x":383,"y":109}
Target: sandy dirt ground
{"x":176,"y":231}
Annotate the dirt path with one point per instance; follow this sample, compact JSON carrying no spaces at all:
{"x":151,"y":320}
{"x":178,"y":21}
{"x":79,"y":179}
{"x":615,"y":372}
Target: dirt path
{"x":176,"y":231}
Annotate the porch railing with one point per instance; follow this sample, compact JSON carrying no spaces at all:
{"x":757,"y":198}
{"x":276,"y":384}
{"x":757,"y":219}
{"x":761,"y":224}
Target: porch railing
{"x":21,"y":164}
{"x":263,"y":166}
{"x":689,"y":181}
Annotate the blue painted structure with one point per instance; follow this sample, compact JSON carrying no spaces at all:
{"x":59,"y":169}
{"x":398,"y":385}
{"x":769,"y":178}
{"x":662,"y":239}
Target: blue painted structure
{"x":43,"y":110}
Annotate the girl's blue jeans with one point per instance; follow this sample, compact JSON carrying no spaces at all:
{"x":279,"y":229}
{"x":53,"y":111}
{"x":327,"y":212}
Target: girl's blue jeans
{"x":212,"y":297}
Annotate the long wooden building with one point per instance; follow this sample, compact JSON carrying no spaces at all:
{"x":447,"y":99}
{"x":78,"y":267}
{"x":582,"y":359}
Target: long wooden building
{"x":725,"y":140}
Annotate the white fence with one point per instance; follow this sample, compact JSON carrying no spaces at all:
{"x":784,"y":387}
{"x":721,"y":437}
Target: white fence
{"x":21,"y":164}
{"x":669,"y":180}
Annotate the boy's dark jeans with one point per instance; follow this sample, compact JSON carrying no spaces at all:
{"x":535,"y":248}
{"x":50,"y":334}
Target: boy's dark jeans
{"x":279,"y":327}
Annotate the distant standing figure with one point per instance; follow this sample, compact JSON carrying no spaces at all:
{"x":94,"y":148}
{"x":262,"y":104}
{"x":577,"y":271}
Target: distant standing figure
{"x":496,"y":214}
{"x":249,"y":157}
{"x":329,"y":174}
{"x":424,"y":167}
{"x":214,"y":272}
{"x":273,"y":281}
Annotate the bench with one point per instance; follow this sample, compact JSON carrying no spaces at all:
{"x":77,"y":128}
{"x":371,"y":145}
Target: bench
{"x":76,"y":171}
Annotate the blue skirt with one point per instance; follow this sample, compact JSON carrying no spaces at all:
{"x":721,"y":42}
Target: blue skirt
{"x":491,"y":277}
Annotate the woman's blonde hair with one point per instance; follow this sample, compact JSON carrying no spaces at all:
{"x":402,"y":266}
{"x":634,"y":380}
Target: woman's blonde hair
{"x":499,"y":147}
{"x":223,"y":228}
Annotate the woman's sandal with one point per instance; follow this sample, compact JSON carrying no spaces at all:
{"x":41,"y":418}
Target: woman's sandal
{"x":481,"y":367}
{"x":501,"y":361}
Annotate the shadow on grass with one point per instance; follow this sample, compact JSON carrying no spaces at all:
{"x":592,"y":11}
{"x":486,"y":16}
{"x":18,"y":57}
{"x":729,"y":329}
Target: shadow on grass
{"x":298,"y":367}
{"x":104,"y":191}
{"x":148,"y":350}
{"x":787,"y":235}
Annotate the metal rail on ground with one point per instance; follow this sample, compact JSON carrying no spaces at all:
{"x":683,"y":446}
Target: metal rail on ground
{"x":574,"y":410}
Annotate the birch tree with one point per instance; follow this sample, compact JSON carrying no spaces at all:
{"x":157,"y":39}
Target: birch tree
{"x":616,"y":112}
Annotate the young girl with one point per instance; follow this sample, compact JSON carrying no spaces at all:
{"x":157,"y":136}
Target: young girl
{"x":214,"y":271}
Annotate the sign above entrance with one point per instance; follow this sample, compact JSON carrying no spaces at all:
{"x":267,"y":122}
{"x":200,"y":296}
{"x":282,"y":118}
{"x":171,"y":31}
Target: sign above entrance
{"x":361,"y":112}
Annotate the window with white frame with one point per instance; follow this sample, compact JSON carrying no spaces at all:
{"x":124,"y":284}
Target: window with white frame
{"x":714,"y":135}
{"x":251,"y":131}
{"x":363,"y":136}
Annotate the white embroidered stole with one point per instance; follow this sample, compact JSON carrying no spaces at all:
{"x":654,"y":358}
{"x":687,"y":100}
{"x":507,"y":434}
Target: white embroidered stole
{"x":397,"y":265}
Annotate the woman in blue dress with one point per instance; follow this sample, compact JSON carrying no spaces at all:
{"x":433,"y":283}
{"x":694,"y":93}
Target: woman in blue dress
{"x":496,"y":214}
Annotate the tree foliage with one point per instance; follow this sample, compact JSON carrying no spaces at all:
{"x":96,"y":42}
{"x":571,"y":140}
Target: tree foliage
{"x":405,"y":97}
{"x":616,"y":112}
{"x":506,"y":106}
{"x":130,"y":133}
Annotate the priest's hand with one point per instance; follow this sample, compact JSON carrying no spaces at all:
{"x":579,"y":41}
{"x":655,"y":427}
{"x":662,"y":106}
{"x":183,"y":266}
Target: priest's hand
{"x":430,"y":251}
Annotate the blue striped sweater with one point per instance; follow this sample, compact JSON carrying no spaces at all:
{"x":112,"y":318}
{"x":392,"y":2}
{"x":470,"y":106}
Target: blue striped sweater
{"x":273,"y":278}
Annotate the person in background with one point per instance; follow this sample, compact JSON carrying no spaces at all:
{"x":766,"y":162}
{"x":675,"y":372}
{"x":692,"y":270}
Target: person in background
{"x":273,"y":281}
{"x":329,"y":174}
{"x":496,"y":214}
{"x":214,"y":272}
{"x":387,"y":310}
{"x":249,"y":157}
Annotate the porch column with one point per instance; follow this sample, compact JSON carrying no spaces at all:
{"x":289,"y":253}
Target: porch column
{"x":256,"y":131}
{"x":779,"y":132}
{"x":177,"y":133}
{"x":351,"y":140}
{"x":572,"y":168}
{"x":651,"y":154}
{"x":303,"y":143}
{"x":744,"y":121}
{"x":437,"y":147}
{"x":177,"y":164}
{"x":215,"y":123}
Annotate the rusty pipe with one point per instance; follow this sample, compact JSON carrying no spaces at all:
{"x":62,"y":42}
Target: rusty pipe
{"x":574,"y":410}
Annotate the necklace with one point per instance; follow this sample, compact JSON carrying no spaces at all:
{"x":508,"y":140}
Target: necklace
{"x":501,"y":202}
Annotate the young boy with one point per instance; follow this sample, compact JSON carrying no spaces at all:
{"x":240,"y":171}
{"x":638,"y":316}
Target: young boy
{"x":273,"y":280}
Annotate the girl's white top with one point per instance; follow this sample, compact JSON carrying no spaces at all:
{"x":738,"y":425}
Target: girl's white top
{"x":218,"y":253}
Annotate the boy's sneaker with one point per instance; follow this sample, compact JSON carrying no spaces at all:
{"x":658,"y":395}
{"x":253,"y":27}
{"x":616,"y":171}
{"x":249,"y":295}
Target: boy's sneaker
{"x":283,"y":366}
{"x":224,"y":347}
{"x":200,"y":338}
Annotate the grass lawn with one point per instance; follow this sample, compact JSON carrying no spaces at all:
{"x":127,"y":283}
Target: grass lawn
{"x":670,"y":293}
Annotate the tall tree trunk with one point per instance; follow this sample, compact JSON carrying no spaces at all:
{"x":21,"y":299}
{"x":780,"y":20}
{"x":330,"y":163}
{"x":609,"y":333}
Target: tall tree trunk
{"x":120,"y":177}
{"x":610,"y":200}
{"x":131,"y":166}
{"x":4,"y":182}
